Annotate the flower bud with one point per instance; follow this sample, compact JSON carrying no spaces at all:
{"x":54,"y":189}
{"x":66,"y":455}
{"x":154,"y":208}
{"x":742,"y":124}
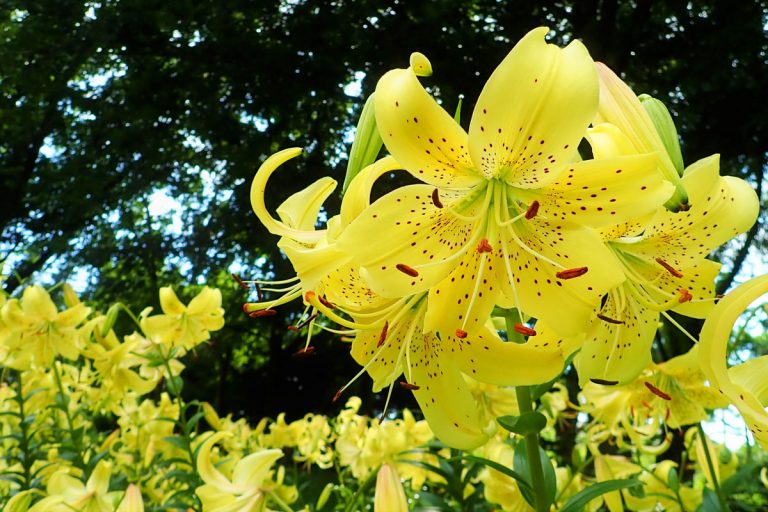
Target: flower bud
{"x":390,"y":495}
{"x":665,"y":126}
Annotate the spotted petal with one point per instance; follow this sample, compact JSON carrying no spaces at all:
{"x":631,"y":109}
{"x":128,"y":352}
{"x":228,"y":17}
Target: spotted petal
{"x":617,"y":352}
{"x":443,"y":395}
{"x":533,"y":111}
{"x":419,"y":235}
{"x":422,"y":136}
{"x":486,"y":358}
{"x":566,"y":305}
{"x":605,"y":192}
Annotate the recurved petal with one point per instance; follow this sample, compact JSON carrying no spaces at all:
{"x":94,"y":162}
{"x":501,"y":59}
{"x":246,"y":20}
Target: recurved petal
{"x":251,"y":471}
{"x":486,"y":358}
{"x":443,"y":395}
{"x":258,"y":191}
{"x":170,"y":303}
{"x":300,"y":210}
{"x":721,"y":208}
{"x":207,"y":302}
{"x":698,"y":280}
{"x":617,"y":352}
{"x":358,"y":195}
{"x":422,"y":136}
{"x":566,"y":305}
{"x":533,"y":111}
{"x":744,"y":388}
{"x":208,"y":471}
{"x":606,"y":192}
{"x":382,"y":354}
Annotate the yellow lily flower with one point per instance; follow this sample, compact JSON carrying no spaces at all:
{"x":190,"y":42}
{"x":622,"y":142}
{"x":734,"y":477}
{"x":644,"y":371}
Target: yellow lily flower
{"x":67,"y":493}
{"x":246,"y":490}
{"x":132,"y":501}
{"x":505,"y":210}
{"x":37,"y":332}
{"x":185,"y":326}
{"x":744,"y":385}
{"x":666,"y":269}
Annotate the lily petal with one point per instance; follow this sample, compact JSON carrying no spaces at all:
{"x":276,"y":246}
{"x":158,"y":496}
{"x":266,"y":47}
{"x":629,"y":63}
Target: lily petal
{"x":713,"y":358}
{"x":170,"y":303}
{"x":422,"y":136}
{"x":300,"y":210}
{"x":533,"y":111}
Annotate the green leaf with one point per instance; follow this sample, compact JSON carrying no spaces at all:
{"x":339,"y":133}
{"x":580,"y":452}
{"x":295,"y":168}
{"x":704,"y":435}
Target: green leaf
{"x":579,"y":501}
{"x":550,"y":480}
{"x":520,"y":479}
{"x":672,"y":480}
{"x":366,"y":145}
{"x":531,"y":422}
{"x":177,"y":441}
{"x":428,"y":467}
{"x":709,"y":502}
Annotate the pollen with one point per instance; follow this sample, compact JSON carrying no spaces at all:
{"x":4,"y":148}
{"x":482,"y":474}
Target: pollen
{"x":685,"y":296}
{"x":460,"y":333}
{"x":669,"y":268}
{"x":383,"y":335}
{"x":240,"y":282}
{"x":408,"y":385}
{"x":263,"y":312}
{"x":571,"y":273}
{"x":609,"y":319}
{"x":656,"y":391}
{"x":405,"y":269}
{"x":325,"y":302}
{"x":338,"y":393}
{"x":533,"y":209}
{"x":436,"y":198}
{"x":604,"y":382}
{"x":524,"y":330}
{"x":484,"y":246}
{"x":304,"y":352}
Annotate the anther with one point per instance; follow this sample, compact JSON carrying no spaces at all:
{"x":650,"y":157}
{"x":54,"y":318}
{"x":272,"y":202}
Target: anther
{"x":309,"y":296}
{"x":408,"y":385}
{"x":524,"y":330}
{"x":293,"y":328}
{"x":571,"y":273}
{"x":242,"y":283}
{"x":258,"y":292}
{"x":304,"y":352}
{"x":305,"y":322}
{"x":436,"y":198}
{"x":405,"y":269}
{"x":263,"y":312}
{"x":685,"y":296}
{"x":656,"y":391}
{"x":383,"y":335}
{"x":667,"y":415}
{"x":604,"y":382}
{"x":484,"y":246}
{"x":338,"y":393}
{"x":533,"y":209}
{"x":325,"y":302}
{"x":609,"y":319}
{"x":461,"y":333}
{"x":669,"y":268}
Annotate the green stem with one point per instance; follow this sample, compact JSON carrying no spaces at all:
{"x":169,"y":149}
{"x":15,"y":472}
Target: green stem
{"x":711,"y":466}
{"x":353,"y":502}
{"x":64,"y":401}
{"x":28,"y":460}
{"x":525,"y":404}
{"x":280,"y":503}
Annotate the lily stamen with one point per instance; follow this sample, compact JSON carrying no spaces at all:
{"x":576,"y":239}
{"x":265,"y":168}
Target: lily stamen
{"x":604,"y":382}
{"x":484,"y":246}
{"x":609,"y":319}
{"x":685,"y":296}
{"x":304,"y":352}
{"x":525,"y":330}
{"x":571,"y":273}
{"x":240,"y":282}
{"x":656,"y":391}
{"x":263,"y":312}
{"x":383,"y":335}
{"x":461,"y":334}
{"x":436,"y":198}
{"x":405,"y":269}
{"x":669,"y":268}
{"x":408,"y":385}
{"x":533,"y":209}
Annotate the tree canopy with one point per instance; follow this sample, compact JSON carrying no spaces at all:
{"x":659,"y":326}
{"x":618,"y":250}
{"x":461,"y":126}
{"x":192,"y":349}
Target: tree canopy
{"x":107,"y":106}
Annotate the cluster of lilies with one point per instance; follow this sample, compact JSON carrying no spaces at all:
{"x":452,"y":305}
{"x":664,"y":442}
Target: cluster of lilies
{"x":561,"y":226}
